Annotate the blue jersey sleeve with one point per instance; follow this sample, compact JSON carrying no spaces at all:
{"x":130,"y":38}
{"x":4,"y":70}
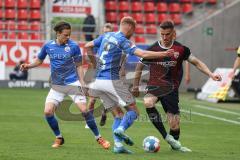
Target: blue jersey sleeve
{"x":43,"y":53}
{"x":97,"y":42}
{"x":128,"y":47}
{"x":77,"y":56}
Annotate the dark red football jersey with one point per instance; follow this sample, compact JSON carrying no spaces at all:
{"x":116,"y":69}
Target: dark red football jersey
{"x":167,"y":71}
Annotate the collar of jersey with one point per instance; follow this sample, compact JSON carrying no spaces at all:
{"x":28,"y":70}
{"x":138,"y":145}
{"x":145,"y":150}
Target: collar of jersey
{"x":54,"y":42}
{"x":159,"y":43}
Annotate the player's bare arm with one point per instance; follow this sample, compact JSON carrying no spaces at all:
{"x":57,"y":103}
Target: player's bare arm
{"x":136,"y":82}
{"x":236,"y":64}
{"x":187,"y":73}
{"x":89,"y":48}
{"x":203,"y":68}
{"x":151,"y":54}
{"x":26,"y":66}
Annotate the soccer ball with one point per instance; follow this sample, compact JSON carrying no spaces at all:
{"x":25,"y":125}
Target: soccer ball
{"x":151,"y":144}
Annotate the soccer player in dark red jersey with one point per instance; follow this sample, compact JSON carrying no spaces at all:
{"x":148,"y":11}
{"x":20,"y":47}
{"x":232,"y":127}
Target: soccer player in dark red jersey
{"x":165,"y":77}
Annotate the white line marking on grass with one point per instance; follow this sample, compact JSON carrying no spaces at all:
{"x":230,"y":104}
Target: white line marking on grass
{"x":211,"y":116}
{"x":215,"y":109}
{"x":203,"y":115}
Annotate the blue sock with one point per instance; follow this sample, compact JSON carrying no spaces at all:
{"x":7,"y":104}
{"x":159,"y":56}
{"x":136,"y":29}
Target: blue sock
{"x":91,"y":122}
{"x":128,"y":119}
{"x":53,"y":123}
{"x":115,"y":125}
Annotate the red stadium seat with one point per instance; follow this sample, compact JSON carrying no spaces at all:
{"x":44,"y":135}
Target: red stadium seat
{"x":1,"y":14}
{"x":187,"y":8}
{"x":140,"y":39}
{"x":185,"y":1}
{"x":22,"y":4}
{"x":162,"y":17}
{"x":149,"y":7}
{"x":123,"y":14}
{"x":162,"y":7}
{"x":151,"y":29}
{"x":110,"y":6}
{"x":136,"y":6}
{"x":115,"y":28}
{"x":10,"y":25}
{"x":35,"y":14}
{"x":139,"y":29}
{"x":35,"y":26}
{"x":174,"y":8}
{"x":1,"y":35}
{"x":111,"y":17}
{"x":35,"y":36}
{"x":212,"y":1}
{"x":35,"y":4}
{"x":150,"y":18}
{"x":11,"y":35}
{"x":177,"y":18}
{"x":9,"y":3}
{"x":23,"y":25}
{"x":10,"y":14}
{"x":123,"y":6}
{"x":23,"y":14}
{"x":2,"y":25}
{"x":23,"y":35}
{"x":1,"y":3}
{"x":198,"y":1}
{"x":138,"y":17}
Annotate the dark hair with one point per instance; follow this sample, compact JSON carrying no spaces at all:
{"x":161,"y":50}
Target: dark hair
{"x":60,"y":26}
{"x":109,"y":26}
{"x":128,"y":20}
{"x":167,"y":24}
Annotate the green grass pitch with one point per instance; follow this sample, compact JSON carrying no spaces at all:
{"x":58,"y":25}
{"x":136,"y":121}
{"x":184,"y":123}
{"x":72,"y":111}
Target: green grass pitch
{"x":212,"y":131}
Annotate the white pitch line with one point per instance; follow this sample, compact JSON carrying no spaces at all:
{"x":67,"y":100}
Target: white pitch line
{"x":204,"y":115}
{"x":211,"y":116}
{"x":215,"y":109}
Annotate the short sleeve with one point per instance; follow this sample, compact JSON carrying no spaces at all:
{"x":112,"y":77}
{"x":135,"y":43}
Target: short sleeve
{"x":43,"y":53}
{"x":187,"y":53}
{"x":77,"y":56}
{"x":238,"y":51}
{"x":128,"y":47}
{"x":97,"y":42}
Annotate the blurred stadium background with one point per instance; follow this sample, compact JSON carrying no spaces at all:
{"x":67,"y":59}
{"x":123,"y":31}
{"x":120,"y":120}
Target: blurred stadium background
{"x":208,"y":27}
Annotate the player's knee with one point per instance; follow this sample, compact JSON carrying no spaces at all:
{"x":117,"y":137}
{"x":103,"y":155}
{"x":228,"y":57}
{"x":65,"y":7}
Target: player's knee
{"x":148,"y":103}
{"x":48,"y":112}
{"x":134,"y":108}
{"x":174,"y":125}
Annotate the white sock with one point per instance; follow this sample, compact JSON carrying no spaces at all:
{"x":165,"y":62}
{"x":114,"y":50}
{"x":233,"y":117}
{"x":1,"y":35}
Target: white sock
{"x":98,"y":136}
{"x":118,"y":144}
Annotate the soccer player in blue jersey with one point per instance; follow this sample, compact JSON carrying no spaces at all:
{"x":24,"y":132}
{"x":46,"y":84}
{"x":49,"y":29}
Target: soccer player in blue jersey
{"x":108,"y":27}
{"x":66,"y":71}
{"x":108,"y":85}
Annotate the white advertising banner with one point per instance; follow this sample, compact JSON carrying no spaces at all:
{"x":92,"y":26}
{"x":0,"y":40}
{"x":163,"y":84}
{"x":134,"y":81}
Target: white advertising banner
{"x":75,"y":8}
{"x":2,"y":70}
{"x":215,"y":91}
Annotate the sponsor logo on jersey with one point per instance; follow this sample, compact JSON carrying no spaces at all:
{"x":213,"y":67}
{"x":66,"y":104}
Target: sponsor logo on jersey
{"x":67,"y":49}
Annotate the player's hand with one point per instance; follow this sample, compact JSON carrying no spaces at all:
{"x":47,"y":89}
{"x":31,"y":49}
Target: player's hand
{"x":170,"y":52}
{"x":24,"y":66}
{"x":135,"y":91}
{"x":216,"y":77}
{"x":187,"y":80}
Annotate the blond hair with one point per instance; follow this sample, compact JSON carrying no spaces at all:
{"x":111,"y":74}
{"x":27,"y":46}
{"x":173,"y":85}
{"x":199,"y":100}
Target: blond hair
{"x":128,"y":20}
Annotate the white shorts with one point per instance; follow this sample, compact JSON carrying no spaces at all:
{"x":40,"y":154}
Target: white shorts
{"x":111,"y":92}
{"x":73,"y":90}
